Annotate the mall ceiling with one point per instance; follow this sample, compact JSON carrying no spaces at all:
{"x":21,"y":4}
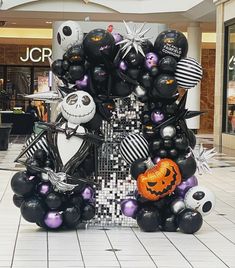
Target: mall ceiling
{"x":21,"y":14}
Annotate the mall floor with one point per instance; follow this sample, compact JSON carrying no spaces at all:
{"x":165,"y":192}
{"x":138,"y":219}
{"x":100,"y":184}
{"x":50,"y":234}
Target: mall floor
{"x":25,"y":245}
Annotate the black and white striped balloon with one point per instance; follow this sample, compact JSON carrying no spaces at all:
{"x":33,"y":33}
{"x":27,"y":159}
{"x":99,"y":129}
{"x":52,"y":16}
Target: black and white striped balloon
{"x":188,"y":73}
{"x":134,"y":147}
{"x":40,"y":144}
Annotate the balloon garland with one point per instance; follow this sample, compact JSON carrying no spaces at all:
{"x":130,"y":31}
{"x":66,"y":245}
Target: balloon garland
{"x":56,"y":190}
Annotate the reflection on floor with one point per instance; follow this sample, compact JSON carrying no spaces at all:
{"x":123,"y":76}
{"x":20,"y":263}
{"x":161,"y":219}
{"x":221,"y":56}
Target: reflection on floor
{"x":25,"y":245}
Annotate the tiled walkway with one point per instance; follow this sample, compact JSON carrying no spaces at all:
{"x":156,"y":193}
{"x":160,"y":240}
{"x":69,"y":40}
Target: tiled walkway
{"x":25,"y":245}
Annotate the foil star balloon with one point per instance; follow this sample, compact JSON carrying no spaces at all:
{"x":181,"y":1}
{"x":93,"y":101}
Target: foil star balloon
{"x":133,"y":39}
{"x":202,"y":157}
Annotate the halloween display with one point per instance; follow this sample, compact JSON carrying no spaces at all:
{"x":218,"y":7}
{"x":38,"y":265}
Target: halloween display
{"x":57,"y":189}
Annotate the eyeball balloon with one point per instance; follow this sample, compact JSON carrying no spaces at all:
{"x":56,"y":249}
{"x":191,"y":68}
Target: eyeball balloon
{"x":78,"y":107}
{"x":201,"y":199}
{"x":69,"y":34}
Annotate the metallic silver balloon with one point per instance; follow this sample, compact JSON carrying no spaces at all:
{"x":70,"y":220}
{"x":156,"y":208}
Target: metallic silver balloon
{"x":44,"y":176}
{"x":177,"y":205}
{"x":168,"y":132}
{"x":139,"y":91}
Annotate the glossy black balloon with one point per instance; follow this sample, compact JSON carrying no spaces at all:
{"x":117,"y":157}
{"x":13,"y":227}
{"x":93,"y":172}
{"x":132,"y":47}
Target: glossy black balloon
{"x":133,"y":73}
{"x":97,"y":43}
{"x":147,"y":46}
{"x":22,"y":184}
{"x":165,"y":86}
{"x":187,"y":166}
{"x":189,"y":220}
{"x":170,"y":223}
{"x":18,"y":200}
{"x":167,"y":144}
{"x":154,"y":71}
{"x":148,"y":219}
{"x":171,"y":109}
{"x":40,"y":156}
{"x":137,"y":167}
{"x":32,"y":210}
{"x":32,"y":166}
{"x":76,"y":54}
{"x":192,"y":139}
{"x":155,"y":146}
{"x":65,"y":65}
{"x":76,"y":200}
{"x":167,"y":65}
{"x":171,"y":43}
{"x":75,"y":72}
{"x":88,"y":212}
{"x":99,"y":74}
{"x":121,"y":89}
{"x":49,"y":163}
{"x":173,"y":153}
{"x":134,"y":59}
{"x":146,"y":80}
{"x":72,"y":216}
{"x":53,"y":200}
{"x":57,"y":68}
{"x":181,"y":142}
{"x":162,"y":153}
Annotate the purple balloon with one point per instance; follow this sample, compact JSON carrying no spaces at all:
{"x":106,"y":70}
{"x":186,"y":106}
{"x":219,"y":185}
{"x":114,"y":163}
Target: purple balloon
{"x":117,"y":37}
{"x":53,"y":219}
{"x":182,"y":188}
{"x":44,"y":188}
{"x":151,"y":60}
{"x":157,"y":116}
{"x":82,"y":83}
{"x":88,"y":193}
{"x":129,"y":207}
{"x":122,"y":66}
{"x":156,"y":159}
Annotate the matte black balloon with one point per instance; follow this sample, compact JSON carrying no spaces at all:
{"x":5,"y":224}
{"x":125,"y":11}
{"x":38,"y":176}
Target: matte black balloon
{"x":121,"y":89}
{"x":40,"y":156}
{"x":97,"y":43}
{"x":165,"y":86}
{"x":57,"y":68}
{"x":32,"y":210}
{"x":133,"y":73}
{"x":146,"y":80}
{"x":170,"y":223}
{"x":192,"y":139}
{"x":138,"y":167}
{"x":134,"y":59}
{"x":22,"y":184}
{"x":18,"y":200}
{"x":88,"y":212}
{"x":31,"y":165}
{"x":53,"y":200}
{"x":76,"y":54}
{"x":187,"y":166}
{"x":76,"y":72}
{"x":171,"y":43}
{"x":148,"y":219}
{"x":72,"y":217}
{"x":168,"y":65}
{"x":99,"y":74}
{"x":190,"y":221}
{"x":181,"y":142}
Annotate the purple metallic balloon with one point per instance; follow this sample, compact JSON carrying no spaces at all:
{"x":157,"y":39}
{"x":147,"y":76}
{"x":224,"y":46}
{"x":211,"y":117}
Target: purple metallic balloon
{"x":157,"y":116}
{"x":117,"y":37}
{"x":156,"y":159}
{"x":44,"y":188}
{"x":151,"y":60}
{"x":53,"y":219}
{"x":88,"y":193}
{"x":122,"y":66}
{"x":129,"y":207}
{"x":82,"y":83}
{"x":182,"y":188}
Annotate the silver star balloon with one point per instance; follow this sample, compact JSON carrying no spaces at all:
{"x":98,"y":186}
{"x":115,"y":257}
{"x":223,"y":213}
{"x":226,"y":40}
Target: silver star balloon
{"x":202,"y":157}
{"x":133,"y":39}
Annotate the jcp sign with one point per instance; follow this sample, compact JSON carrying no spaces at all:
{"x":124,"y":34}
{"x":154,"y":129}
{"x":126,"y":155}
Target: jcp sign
{"x":36,"y":54}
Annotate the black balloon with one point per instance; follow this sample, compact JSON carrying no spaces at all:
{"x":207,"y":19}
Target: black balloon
{"x":147,"y":46}
{"x":72,"y":217}
{"x":148,"y":219}
{"x":146,"y":80}
{"x":88,"y":212}
{"x":57,"y":68}
{"x":121,"y":89}
{"x":167,"y":143}
{"x":134,"y":59}
{"x":53,"y":200}
{"x":18,"y":200}
{"x":171,"y":43}
{"x":154,"y":71}
{"x":76,"y":54}
{"x":192,"y":139}
{"x":75,"y":72}
{"x":65,"y":65}
{"x":173,"y":153}
{"x":170,"y":223}
{"x":168,"y":65}
{"x":32,"y":210}
{"x":187,"y":166}
{"x":181,"y":142}
{"x":31,"y":166}
{"x":76,"y":200}
{"x":22,"y":184}
{"x":162,"y":153}
{"x":98,"y":43}
{"x":155,"y":146}
{"x":190,"y":221}
{"x":137,"y":167}
{"x":99,"y":74}
{"x":133,"y":73}
{"x":40,"y":156}
{"x":165,"y":86}
{"x":171,"y":109}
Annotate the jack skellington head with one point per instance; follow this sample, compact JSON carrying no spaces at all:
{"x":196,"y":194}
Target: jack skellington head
{"x":78,"y":107}
{"x":69,"y":34}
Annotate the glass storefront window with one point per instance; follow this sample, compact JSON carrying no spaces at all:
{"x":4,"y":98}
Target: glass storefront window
{"x":230,"y":83}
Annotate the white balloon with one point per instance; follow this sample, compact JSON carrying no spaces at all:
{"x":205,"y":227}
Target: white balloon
{"x":69,"y":34}
{"x":78,"y":107}
{"x":201,"y":199}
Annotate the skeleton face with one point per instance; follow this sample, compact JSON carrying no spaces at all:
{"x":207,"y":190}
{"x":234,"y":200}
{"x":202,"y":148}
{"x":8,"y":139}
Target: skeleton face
{"x":69,"y":34}
{"x":78,"y":107}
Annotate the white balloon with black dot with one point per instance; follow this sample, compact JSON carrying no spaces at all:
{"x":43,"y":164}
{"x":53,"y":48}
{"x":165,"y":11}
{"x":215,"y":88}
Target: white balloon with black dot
{"x":69,"y":33}
{"x":201,"y":199}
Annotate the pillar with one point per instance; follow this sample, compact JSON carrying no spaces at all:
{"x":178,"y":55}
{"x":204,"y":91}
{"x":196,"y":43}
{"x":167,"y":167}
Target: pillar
{"x":194,"y":51}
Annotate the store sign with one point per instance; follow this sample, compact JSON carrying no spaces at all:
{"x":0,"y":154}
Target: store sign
{"x":36,"y":54}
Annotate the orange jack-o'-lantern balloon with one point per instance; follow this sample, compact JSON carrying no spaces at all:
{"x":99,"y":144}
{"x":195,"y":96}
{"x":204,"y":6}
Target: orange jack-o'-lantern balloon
{"x":159,"y":181}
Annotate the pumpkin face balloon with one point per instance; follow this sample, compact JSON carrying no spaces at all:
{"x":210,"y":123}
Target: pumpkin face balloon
{"x":159,"y":181}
